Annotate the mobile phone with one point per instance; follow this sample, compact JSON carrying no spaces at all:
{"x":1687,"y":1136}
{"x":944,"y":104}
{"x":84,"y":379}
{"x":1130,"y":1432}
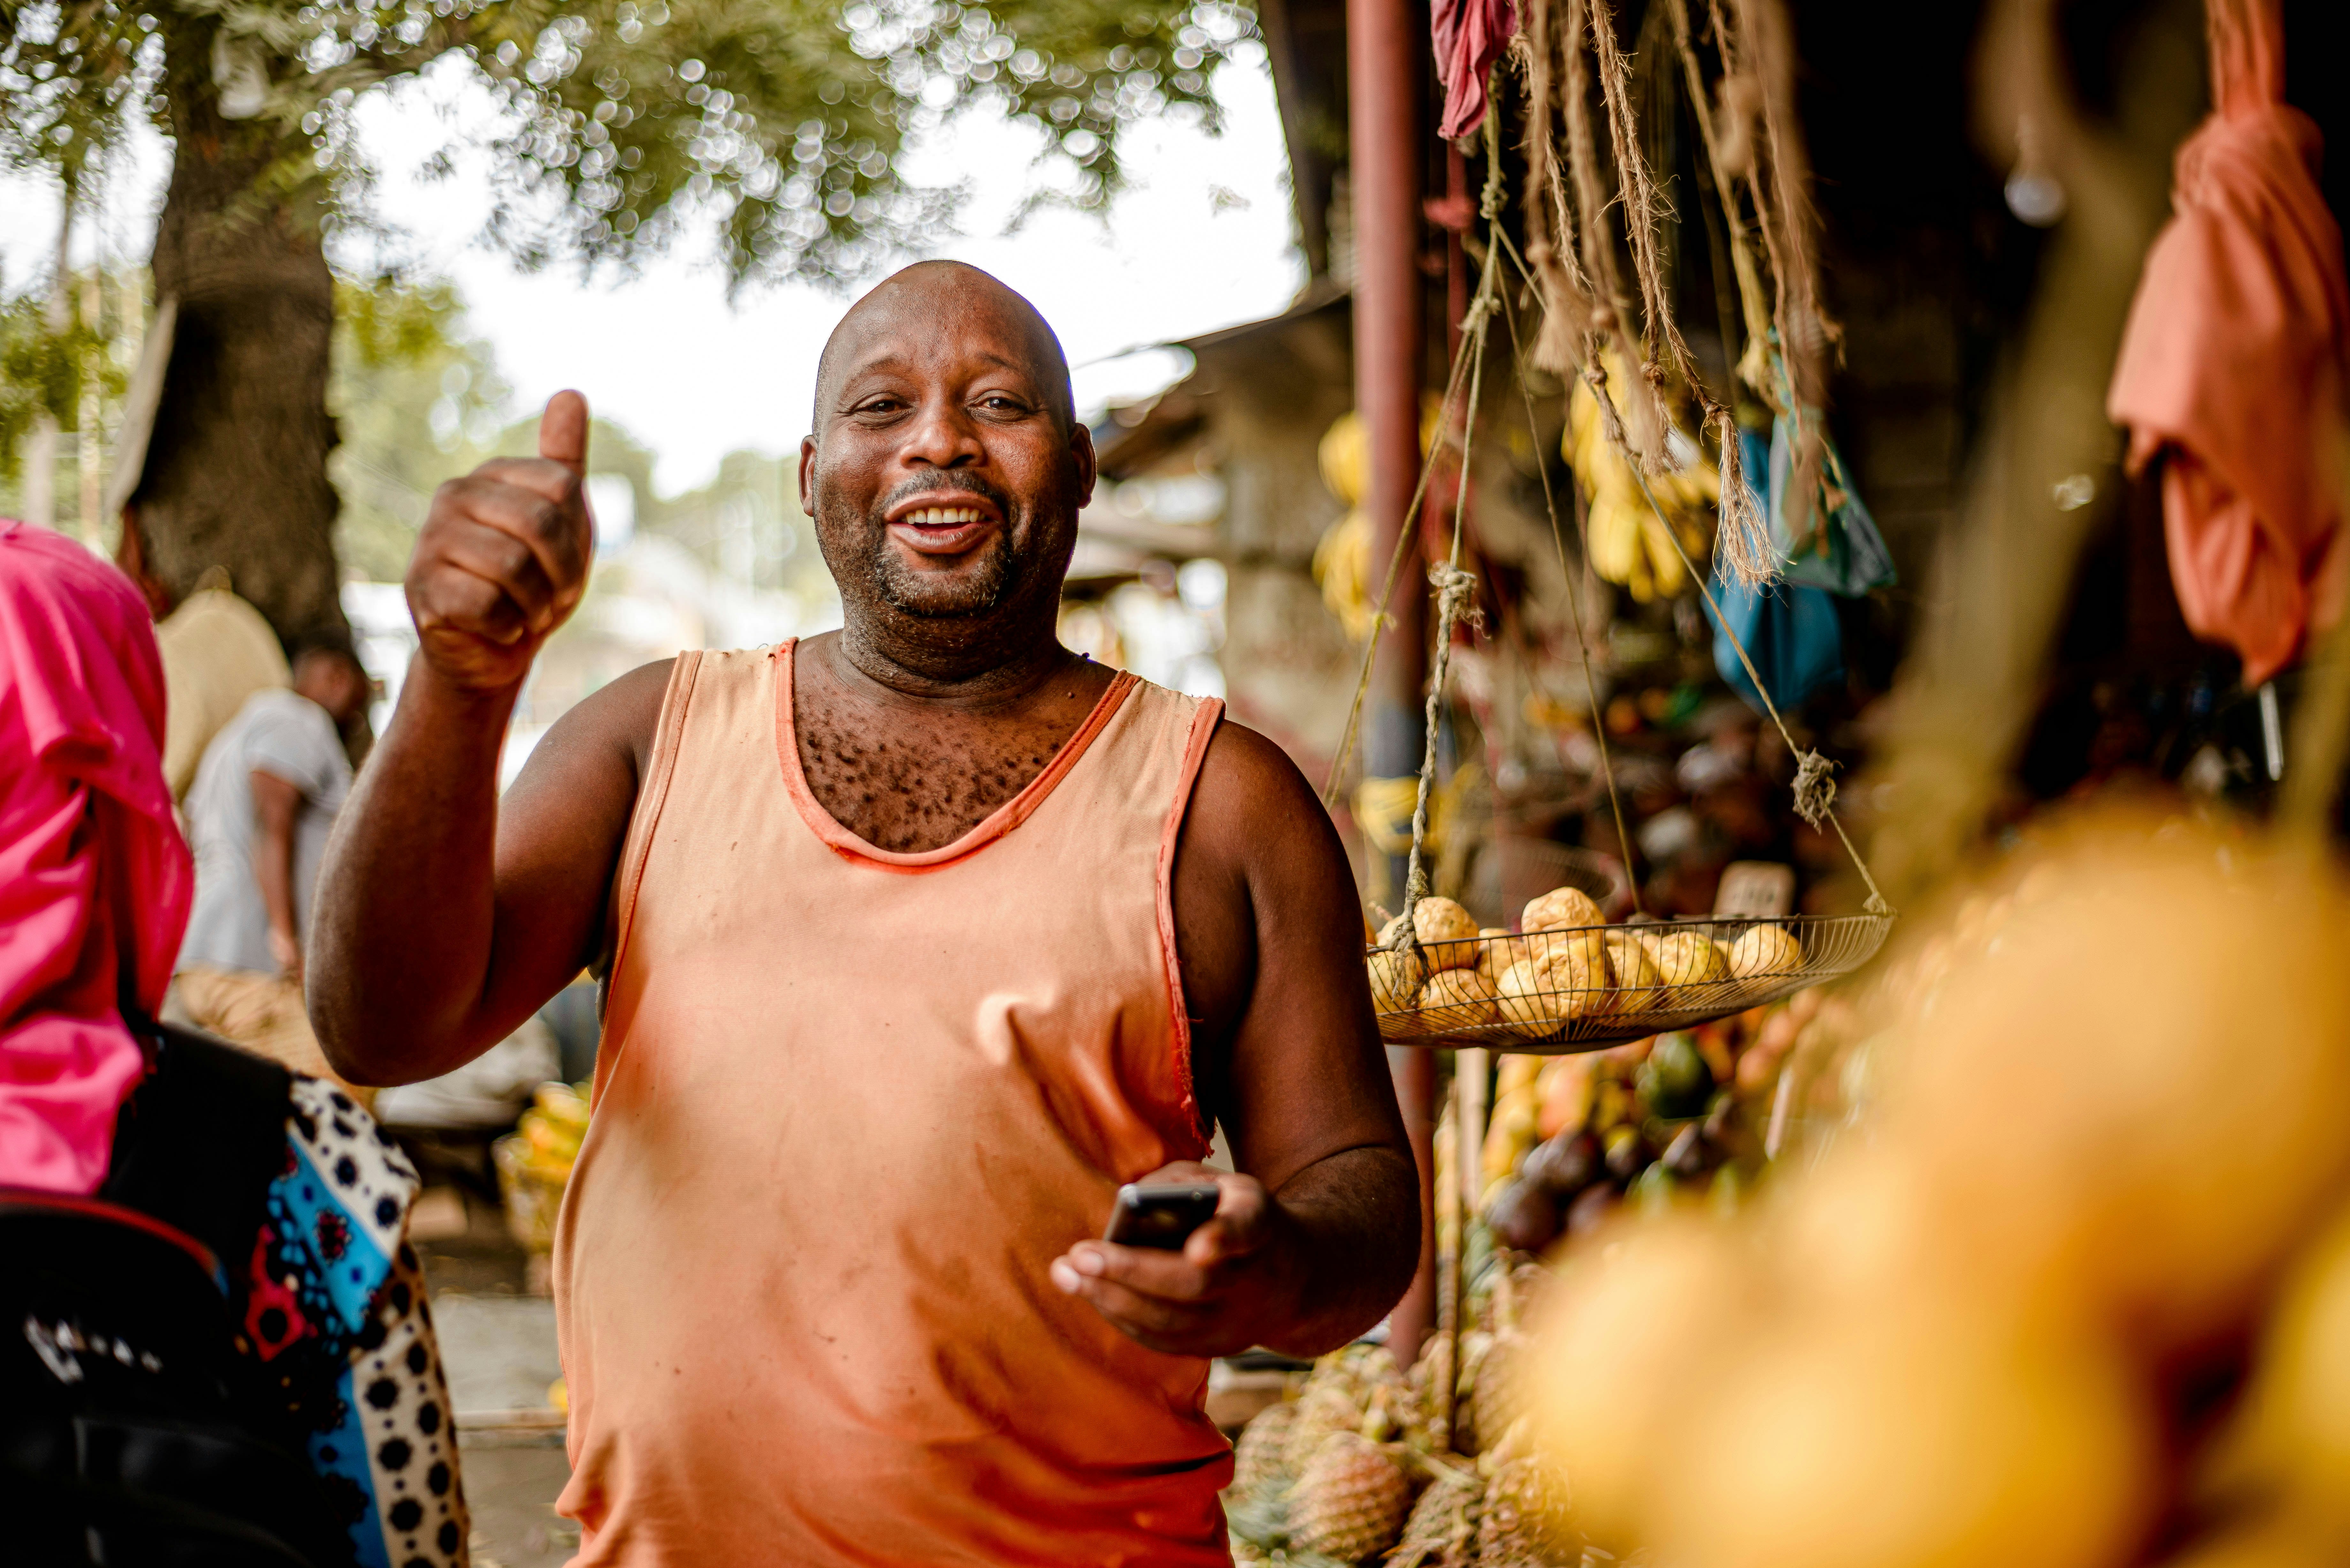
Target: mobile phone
{"x":1160,"y":1214}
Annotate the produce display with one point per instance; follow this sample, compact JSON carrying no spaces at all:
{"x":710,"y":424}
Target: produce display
{"x":1369,"y":1464}
{"x":535,"y":1161}
{"x":2067,"y":1282}
{"x":1567,"y":981}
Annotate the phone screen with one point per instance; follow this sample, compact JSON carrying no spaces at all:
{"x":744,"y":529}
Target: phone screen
{"x":1160,"y":1214}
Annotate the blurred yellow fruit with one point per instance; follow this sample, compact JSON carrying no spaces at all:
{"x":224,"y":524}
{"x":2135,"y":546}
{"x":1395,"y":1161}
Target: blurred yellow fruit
{"x":2130,"y":1101}
{"x":2294,"y":1428}
{"x":2283,"y":1542}
{"x":1623,"y":1346}
{"x":1918,"y":1436}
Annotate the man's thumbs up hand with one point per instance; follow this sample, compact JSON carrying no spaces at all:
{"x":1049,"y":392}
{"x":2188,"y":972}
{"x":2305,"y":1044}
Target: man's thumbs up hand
{"x":504,"y":557}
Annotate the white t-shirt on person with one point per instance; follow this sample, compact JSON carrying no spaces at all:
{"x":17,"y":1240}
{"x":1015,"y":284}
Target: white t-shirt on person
{"x":289,"y":737}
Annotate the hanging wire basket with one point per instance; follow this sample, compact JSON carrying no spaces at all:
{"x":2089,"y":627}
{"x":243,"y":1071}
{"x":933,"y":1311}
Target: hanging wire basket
{"x":1695,"y":971}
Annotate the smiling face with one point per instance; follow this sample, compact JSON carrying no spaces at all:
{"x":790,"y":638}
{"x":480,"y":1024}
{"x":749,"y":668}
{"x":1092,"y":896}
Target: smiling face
{"x":947,"y":470}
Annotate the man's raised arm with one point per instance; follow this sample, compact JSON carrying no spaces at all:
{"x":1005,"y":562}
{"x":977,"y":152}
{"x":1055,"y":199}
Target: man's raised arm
{"x":438,"y":930}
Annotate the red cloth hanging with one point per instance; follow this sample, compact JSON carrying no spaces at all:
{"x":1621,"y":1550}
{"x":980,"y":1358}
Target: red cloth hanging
{"x":2232,"y":364}
{"x":1470,"y":37}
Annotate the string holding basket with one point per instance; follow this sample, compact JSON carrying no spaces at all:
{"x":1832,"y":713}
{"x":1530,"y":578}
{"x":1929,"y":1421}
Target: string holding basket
{"x":1563,"y":984}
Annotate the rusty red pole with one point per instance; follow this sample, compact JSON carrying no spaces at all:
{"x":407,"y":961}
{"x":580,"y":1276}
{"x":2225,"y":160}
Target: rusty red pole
{"x":1387,"y":46}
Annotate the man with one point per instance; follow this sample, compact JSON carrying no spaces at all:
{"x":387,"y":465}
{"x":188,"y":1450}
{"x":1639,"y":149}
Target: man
{"x":919,"y":940}
{"x":264,"y":797}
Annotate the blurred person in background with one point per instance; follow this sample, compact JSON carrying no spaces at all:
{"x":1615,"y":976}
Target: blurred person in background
{"x":220,"y":1348}
{"x":264,"y":797}
{"x":217,"y":651}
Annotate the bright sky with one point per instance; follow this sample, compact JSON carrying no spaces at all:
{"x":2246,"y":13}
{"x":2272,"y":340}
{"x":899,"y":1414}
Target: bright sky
{"x":1202,"y":241}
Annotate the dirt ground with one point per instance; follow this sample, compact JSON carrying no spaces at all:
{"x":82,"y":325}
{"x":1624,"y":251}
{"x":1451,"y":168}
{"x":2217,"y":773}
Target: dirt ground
{"x":497,"y":1346}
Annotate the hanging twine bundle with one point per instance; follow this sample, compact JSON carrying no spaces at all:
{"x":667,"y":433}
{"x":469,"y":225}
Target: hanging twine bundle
{"x":1580,"y":277}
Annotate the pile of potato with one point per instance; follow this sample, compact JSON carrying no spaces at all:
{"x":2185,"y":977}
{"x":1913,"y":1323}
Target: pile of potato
{"x":1563,"y":962}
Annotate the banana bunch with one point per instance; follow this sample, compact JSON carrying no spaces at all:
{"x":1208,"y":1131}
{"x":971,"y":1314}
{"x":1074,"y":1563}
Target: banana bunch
{"x":1628,"y":545}
{"x":551,"y":1131}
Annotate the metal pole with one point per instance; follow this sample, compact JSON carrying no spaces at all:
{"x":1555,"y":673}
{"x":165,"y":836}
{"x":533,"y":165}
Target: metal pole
{"x":1386,"y":51}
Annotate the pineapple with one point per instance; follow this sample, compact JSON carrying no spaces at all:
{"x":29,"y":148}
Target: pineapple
{"x":1324,"y":1410}
{"x":1441,"y":1532}
{"x":1523,"y":1523}
{"x":1427,"y":1427}
{"x":1349,"y":1502}
{"x":1498,"y":1381}
{"x":1257,"y":1457}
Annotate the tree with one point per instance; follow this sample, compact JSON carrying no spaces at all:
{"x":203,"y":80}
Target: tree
{"x":778,"y":121}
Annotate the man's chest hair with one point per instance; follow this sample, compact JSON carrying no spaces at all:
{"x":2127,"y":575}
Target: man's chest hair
{"x":910,"y":785}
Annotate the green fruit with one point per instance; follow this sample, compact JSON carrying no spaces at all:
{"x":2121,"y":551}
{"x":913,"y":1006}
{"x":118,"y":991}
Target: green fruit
{"x":1675,"y":1080}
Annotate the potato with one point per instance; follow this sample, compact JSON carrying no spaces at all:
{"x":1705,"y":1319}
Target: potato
{"x":1685,"y":958}
{"x":1559,"y":909}
{"x":1634,"y":972}
{"x":1447,"y":933}
{"x":1765,"y":950}
{"x":1498,"y":950}
{"x":1528,"y":1013}
{"x":1396,"y":975}
{"x":1457,"y":999}
{"x":1564,"y":980}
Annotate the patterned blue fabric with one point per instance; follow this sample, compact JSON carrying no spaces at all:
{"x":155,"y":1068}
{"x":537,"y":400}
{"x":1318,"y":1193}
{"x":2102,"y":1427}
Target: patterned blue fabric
{"x":336,"y":1307}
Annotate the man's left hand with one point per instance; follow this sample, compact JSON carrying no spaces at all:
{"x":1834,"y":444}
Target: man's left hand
{"x":1226,"y":1289}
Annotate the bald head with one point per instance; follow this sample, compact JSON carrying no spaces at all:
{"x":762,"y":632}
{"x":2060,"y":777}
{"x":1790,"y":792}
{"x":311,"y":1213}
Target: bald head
{"x":933,"y":297}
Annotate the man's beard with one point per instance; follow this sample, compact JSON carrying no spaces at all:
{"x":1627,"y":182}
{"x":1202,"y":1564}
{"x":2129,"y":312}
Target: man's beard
{"x":975,"y":587}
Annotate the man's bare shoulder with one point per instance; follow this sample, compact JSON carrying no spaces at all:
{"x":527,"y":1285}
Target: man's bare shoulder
{"x":1251,"y":807}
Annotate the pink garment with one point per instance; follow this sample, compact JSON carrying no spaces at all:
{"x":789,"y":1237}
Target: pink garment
{"x":94,"y":875}
{"x":1470,"y":37}
{"x":2233,"y":363}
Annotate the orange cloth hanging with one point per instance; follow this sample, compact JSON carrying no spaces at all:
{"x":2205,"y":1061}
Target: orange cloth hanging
{"x":2233,"y":359}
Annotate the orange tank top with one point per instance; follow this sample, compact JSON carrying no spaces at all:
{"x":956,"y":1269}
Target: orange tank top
{"x":850,"y":1104}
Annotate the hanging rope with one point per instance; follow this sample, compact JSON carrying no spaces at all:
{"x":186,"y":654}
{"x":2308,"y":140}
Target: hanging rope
{"x":1813,"y":787}
{"x":1585,"y":304}
{"x":1743,"y":536}
{"x":1573,"y":600}
{"x":1379,"y":621}
{"x":1455,"y":588}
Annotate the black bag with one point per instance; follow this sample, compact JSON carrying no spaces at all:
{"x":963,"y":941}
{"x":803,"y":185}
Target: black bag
{"x":133,"y":1430}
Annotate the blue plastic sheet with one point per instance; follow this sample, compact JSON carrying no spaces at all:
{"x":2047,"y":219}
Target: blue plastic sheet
{"x":1789,"y":627}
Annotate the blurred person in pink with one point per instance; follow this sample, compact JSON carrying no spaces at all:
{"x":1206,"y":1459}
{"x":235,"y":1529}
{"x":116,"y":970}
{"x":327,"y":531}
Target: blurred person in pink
{"x":95,"y":880}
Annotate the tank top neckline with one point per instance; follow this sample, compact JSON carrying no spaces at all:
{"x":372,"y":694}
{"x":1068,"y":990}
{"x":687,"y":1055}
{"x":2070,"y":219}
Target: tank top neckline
{"x":994,"y":826}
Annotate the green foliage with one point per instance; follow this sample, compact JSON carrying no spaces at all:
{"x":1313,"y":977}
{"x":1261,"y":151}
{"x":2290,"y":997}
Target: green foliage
{"x":416,"y":401}
{"x":42,"y":369}
{"x":779,"y":121}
